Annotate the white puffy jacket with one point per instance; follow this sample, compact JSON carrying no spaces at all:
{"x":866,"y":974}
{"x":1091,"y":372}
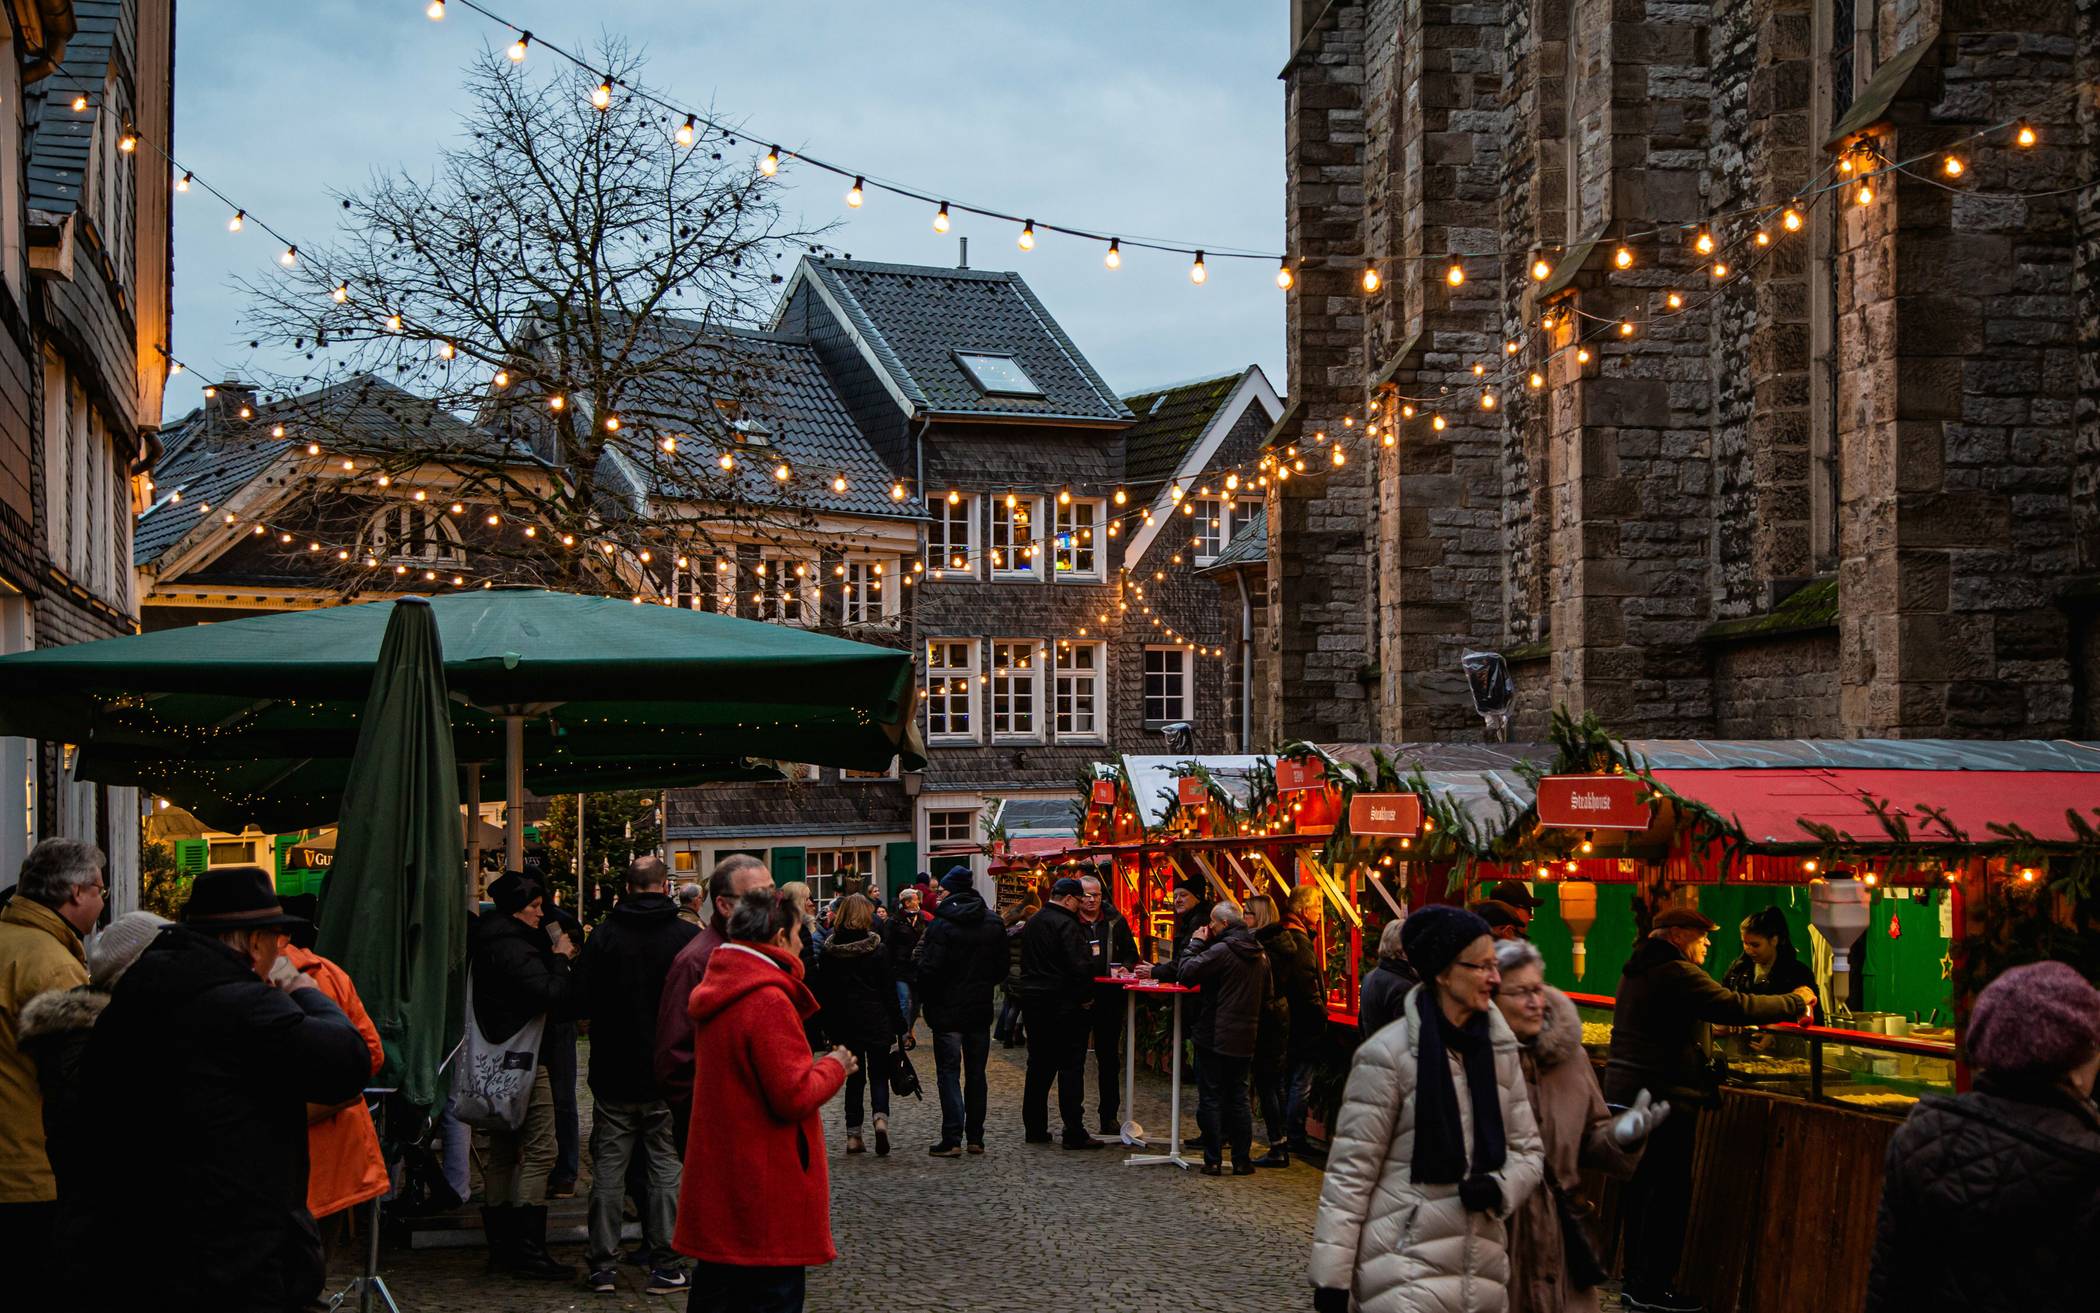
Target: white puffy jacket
{"x":1407,"y":1248}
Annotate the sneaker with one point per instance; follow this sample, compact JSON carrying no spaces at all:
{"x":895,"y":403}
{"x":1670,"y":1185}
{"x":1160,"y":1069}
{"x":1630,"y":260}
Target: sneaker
{"x":976,"y":1146}
{"x":668,"y":1281}
{"x":605,"y":1281}
{"x":945,"y":1149}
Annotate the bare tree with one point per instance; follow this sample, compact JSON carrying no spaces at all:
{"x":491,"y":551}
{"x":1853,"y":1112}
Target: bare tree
{"x":548,"y":306}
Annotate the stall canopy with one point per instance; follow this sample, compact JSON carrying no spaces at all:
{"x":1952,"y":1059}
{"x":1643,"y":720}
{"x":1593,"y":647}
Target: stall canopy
{"x":1486,"y":783}
{"x":1151,"y":780}
{"x":254,"y":721}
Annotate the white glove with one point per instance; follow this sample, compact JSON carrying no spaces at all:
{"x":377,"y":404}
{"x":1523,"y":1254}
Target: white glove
{"x":1634,"y":1125}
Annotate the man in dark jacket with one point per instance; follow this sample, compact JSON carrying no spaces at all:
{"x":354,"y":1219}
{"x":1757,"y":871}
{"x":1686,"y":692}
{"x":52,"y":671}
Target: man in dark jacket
{"x":1056,"y":988}
{"x":232,"y":1045}
{"x":900,"y":946}
{"x":1109,"y":944}
{"x":1302,"y":980}
{"x":1191,"y":912}
{"x":1384,"y":989}
{"x":732,"y":878}
{"x":520,"y":971}
{"x":620,"y":975}
{"x":1661,"y":1040}
{"x":962,"y":957}
{"x":1228,"y":965}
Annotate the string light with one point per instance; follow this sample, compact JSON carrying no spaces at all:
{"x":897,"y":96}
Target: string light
{"x":1704,"y":242}
{"x":838,"y":484}
{"x":502,"y":378}
{"x":1582,"y":355}
{"x":1720,"y":268}
{"x":781,"y":472}
{"x":290,"y":257}
{"x":128,"y":139}
{"x":1951,"y":166}
{"x":1114,"y":258}
{"x":1540,"y":270}
{"x":240,"y":217}
{"x":897,"y":492}
{"x":1026,"y":241}
{"x":1865,"y":194}
{"x":183,"y":183}
{"x":1625,"y":328}
{"x":436,"y":10}
{"x":1790,"y":219}
{"x":80,"y":103}
{"x":612,"y":423}
{"x":1487,"y":401}
{"x":857,"y":192}
{"x":1537,"y":380}
{"x":1197,"y":273}
{"x":1284,"y":277}
{"x":2025,"y":137}
{"x":601,"y":96}
{"x":557,"y":401}
{"x":519,"y":47}
{"x":1456,"y":274}
{"x":940,"y":218}
{"x":1623,"y":257}
{"x":1674,"y":300}
{"x":770,"y":165}
{"x":1437,"y":422}
{"x":341,"y":293}
{"x":1370,"y":278}
{"x":686,"y":131}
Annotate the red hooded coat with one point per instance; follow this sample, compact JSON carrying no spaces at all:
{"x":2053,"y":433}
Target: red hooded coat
{"x":757,"y":1191}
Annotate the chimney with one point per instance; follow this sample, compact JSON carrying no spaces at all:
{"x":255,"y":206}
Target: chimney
{"x":964,"y":261}
{"x":224,"y":402}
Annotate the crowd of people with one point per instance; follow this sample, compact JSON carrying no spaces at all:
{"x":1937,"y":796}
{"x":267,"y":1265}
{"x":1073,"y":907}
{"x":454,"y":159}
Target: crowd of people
{"x":724,"y":1020}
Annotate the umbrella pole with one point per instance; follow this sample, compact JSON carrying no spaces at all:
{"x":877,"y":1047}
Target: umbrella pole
{"x":473,"y":827}
{"x":514,"y":793}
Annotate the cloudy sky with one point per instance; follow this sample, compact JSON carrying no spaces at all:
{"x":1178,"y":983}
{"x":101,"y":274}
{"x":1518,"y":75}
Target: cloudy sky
{"x":1145,"y":117}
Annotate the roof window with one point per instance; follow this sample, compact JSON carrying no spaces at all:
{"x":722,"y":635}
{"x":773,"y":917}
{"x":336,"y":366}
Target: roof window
{"x":997,"y":375}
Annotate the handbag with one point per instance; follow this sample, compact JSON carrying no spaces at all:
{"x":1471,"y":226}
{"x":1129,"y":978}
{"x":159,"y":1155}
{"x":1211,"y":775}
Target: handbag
{"x":904,"y":1078}
{"x":1579,"y":1257}
{"x":492,"y":1081}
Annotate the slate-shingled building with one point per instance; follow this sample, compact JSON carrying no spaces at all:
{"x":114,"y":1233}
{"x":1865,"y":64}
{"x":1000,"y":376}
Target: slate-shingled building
{"x":84,"y":273}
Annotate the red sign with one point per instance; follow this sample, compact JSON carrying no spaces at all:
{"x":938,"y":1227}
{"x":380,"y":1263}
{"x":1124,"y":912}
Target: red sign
{"x":1104,"y":794}
{"x":1593,"y":802}
{"x":1398,"y":815}
{"x":1292,"y":776}
{"x":1189,"y":791}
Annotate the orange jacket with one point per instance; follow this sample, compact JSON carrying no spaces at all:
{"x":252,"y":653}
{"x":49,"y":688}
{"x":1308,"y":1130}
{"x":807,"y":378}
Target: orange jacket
{"x":345,"y":1165}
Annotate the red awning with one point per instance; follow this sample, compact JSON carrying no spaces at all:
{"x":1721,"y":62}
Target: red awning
{"x":1767,"y":804}
{"x":1022,"y":852}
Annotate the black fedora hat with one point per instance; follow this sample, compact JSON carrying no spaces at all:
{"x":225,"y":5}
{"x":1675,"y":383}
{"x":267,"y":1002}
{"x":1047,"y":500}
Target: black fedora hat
{"x":236,"y":898}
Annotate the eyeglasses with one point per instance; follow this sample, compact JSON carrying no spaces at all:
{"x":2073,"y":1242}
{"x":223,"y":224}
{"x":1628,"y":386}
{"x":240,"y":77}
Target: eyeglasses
{"x":1536,"y":991}
{"x":1487,"y":968}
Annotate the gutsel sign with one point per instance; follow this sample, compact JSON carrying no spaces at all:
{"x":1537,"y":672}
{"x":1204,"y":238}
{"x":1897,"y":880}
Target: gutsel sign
{"x":1593,"y":802}
{"x":1104,"y":793}
{"x":1189,"y":791}
{"x":1393,"y":815}
{"x":1308,"y":773}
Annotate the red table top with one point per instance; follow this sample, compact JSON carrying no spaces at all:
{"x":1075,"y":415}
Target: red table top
{"x":1149,"y":986}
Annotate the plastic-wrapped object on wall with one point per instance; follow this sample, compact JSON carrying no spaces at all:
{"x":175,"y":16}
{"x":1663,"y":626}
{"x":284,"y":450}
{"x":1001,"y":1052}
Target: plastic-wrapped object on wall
{"x":1487,"y":676}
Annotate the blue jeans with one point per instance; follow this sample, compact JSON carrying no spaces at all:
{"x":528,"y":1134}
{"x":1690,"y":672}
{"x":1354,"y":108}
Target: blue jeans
{"x":905,"y":1004}
{"x":959,"y":1057}
{"x":1297,"y":1089}
{"x":724,"y":1288}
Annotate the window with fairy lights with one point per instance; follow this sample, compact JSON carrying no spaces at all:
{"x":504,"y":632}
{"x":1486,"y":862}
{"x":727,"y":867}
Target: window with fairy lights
{"x":789,"y":586}
{"x":951,"y":690}
{"x":868,"y":594}
{"x":1168,"y":680}
{"x":1013,"y":545}
{"x":415,"y":533}
{"x":1017,"y":690}
{"x":1080,"y":667}
{"x":1209,"y":527}
{"x":1076,"y":555}
{"x":951,"y":537}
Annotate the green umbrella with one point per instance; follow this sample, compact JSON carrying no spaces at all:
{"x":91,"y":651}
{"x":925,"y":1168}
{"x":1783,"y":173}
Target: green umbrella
{"x":239,"y":718}
{"x":392,"y":912}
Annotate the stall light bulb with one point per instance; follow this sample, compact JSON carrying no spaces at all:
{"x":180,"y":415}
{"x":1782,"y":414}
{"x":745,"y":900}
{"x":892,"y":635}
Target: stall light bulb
{"x":446,"y":351}
{"x":1951,"y":166}
{"x":2025,"y":137}
{"x":436,"y":10}
{"x":1437,"y":422}
{"x":557,"y":401}
{"x":940,"y":218}
{"x":1537,"y":380}
{"x":612,"y":423}
{"x":341,"y":293}
{"x":728,"y":462}
{"x":1026,"y":240}
{"x":897,"y":492}
{"x":502,"y":379}
{"x":770,"y":165}
{"x":519,"y":47}
{"x":1623,"y":257}
{"x":128,"y":140}
{"x":277,"y":430}
{"x":1540,"y":270}
{"x":781,"y":472}
{"x":183,"y":183}
{"x":1510,"y":348}
{"x":239,"y":219}
{"x":1582,"y":355}
{"x":1720,"y":268}
{"x":393,"y":323}
{"x":1674,"y":300}
{"x":601,"y":96}
{"x":1625,"y":328}
{"x":80,"y":103}
{"x":1763,"y":238}
{"x":1790,"y":219}
{"x":1456,"y":274}
{"x":1479,"y":369}
{"x":1339,"y":457}
{"x":954,"y":497}
{"x":1284,"y":277}
{"x":838,"y":484}
{"x":1197,"y":273}
{"x":1121,"y":497}
{"x":1114,"y":258}
{"x":686,"y":131}
{"x":857,"y":192}
{"x":1371,"y":280}
{"x":1704,"y":242}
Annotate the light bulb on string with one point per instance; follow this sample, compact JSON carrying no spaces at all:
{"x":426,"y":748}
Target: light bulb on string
{"x":1456,"y":274}
{"x":2025,"y":135}
{"x":1582,"y":355}
{"x":686,"y":131}
{"x":446,"y":351}
{"x":781,"y":472}
{"x":1674,"y":300}
{"x":1951,"y":166}
{"x":1487,"y":401}
{"x":128,"y":139}
{"x":239,"y":219}
{"x":1510,"y":348}
{"x":183,"y":183}
{"x":1720,"y":268}
{"x":1537,"y":380}
{"x":1865,"y":194}
{"x":857,"y":192}
{"x":80,"y":103}
{"x":341,"y":293}
{"x":557,"y":401}
{"x":290,"y":257}
{"x":940,"y":218}
{"x":1790,"y":219}
{"x":897,"y":492}
{"x":502,"y":378}
{"x":1370,"y":277}
{"x":1437,"y":422}
{"x":838,"y":483}
{"x":1763,"y":238}
{"x":612,"y":423}
{"x":1623,"y":257}
{"x":601,"y":96}
{"x":1541,"y":270}
{"x":1197,"y":273}
{"x":1284,"y":277}
{"x":1026,"y":241}
{"x":770,"y":165}
{"x":1114,"y":258}
{"x":1704,"y":242}
{"x":519,"y":47}
{"x":436,"y":10}
{"x":1625,"y":328}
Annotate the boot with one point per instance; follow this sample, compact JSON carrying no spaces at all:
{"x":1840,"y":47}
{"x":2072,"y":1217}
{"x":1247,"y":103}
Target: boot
{"x":529,"y":1255}
{"x":854,"y":1144}
{"x":882,"y":1136}
{"x":1277,"y":1156}
{"x":497,"y":1230}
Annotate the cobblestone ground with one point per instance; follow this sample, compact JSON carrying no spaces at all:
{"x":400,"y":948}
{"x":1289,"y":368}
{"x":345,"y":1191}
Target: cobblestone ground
{"x":1028,"y":1226}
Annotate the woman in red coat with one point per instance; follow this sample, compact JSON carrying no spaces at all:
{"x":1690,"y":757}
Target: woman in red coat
{"x":755,"y":1206}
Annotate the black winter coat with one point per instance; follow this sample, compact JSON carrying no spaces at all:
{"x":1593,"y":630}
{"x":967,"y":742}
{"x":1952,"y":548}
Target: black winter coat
{"x":1303,"y":984}
{"x":1186,"y":924}
{"x":963,"y":955}
{"x":619,"y":979}
{"x":517,"y":976}
{"x":1991,"y":1204}
{"x":53,"y":1029}
{"x":1383,"y":994}
{"x":1662,"y":1025}
{"x":1109,"y":943}
{"x":214,"y":1204}
{"x":900,"y":942}
{"x":1233,"y":974}
{"x":1272,"y":1038}
{"x":1788,"y":974}
{"x":857,"y":991}
{"x":1056,"y":969}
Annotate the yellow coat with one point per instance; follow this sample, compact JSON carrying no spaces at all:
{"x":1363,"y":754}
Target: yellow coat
{"x":38,"y":952}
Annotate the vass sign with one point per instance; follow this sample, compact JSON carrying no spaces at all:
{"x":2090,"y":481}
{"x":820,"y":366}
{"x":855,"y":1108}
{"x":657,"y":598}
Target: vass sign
{"x":1593,"y":802}
{"x":1385,"y":815}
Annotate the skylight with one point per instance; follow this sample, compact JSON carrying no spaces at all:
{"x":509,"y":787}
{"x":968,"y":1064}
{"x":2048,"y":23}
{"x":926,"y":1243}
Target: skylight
{"x":998,"y":375}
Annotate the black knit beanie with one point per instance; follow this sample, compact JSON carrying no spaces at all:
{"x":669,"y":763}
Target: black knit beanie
{"x":1434,"y":936}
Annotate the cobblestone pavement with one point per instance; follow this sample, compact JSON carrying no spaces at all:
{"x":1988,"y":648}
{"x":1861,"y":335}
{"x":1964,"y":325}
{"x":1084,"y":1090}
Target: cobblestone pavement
{"x":1028,"y":1226}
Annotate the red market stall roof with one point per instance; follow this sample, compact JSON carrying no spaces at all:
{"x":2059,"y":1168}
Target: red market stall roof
{"x":1768,"y":804}
{"x":1027,"y":852}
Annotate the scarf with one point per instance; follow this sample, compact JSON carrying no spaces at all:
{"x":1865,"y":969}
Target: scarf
{"x":1440,"y":1149}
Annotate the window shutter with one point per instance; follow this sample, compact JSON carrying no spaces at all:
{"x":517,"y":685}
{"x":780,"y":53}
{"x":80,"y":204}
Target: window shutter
{"x":788,"y":864}
{"x":192,"y":856}
{"x":900,"y":863}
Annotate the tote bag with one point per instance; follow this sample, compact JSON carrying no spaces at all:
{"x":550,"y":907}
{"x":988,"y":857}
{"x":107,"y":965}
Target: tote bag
{"x":491,"y":1081}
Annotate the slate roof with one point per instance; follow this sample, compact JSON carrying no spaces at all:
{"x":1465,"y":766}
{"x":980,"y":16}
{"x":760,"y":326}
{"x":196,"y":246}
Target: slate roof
{"x":1249,"y":545}
{"x":914,"y":319}
{"x":1169,"y":421}
{"x":783,"y":390}
{"x":209,"y":457}
{"x":60,"y":139}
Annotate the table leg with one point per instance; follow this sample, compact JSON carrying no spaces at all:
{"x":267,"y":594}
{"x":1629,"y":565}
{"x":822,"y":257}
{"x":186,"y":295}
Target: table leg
{"x":1173,"y":1153}
{"x":1130,"y":1068}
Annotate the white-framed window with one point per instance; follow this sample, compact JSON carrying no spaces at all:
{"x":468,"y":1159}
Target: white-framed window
{"x":951,"y":539}
{"x":826,"y":870}
{"x":1076,"y":554}
{"x":1013,"y":541}
{"x":1017,"y":689}
{"x":868,"y":593}
{"x":1078,"y":706}
{"x":417,"y":533}
{"x":789,"y":586}
{"x":1210,"y":527}
{"x":951,"y":690}
{"x":683,"y":860}
{"x":723,"y":586}
{"x":951,"y":827}
{"x":1168,"y":679}
{"x":1243,"y":511}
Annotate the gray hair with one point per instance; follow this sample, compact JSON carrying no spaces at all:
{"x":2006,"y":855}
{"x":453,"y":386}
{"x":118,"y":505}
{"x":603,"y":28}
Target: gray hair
{"x":689,"y":893}
{"x":1305,"y":898}
{"x":1516,"y":954}
{"x":761,"y":915}
{"x":56,"y":867}
{"x":1228,"y":911}
{"x":1389,"y":944}
{"x":721,"y":882}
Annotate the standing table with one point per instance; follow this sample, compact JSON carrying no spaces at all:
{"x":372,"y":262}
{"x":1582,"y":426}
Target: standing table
{"x":1131,"y":989}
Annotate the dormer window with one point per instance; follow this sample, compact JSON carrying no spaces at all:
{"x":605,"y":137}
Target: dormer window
{"x":413,"y":535}
{"x":997,"y":375}
{"x":746,"y":430}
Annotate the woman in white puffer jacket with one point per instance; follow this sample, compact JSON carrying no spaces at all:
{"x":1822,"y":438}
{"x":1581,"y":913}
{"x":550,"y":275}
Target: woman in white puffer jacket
{"x":1435,"y":1143}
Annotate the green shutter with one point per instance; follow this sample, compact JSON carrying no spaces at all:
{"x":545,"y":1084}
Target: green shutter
{"x":900,"y":864}
{"x":788,"y":864}
{"x":192,"y":856}
{"x":278,"y":846}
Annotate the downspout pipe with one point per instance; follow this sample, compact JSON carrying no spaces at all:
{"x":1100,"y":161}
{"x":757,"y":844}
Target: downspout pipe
{"x":1239,"y":577}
